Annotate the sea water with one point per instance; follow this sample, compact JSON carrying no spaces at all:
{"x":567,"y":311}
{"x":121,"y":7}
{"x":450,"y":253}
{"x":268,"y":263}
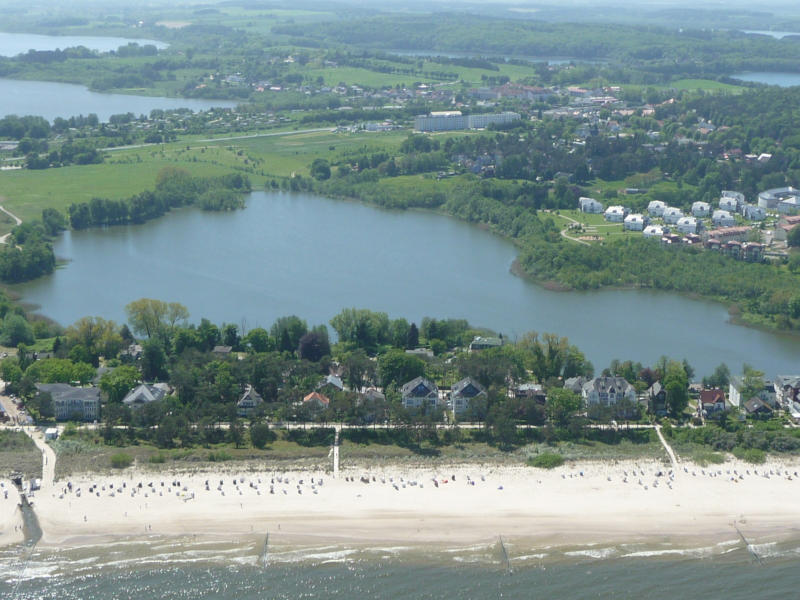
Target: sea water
{"x":240,"y":569}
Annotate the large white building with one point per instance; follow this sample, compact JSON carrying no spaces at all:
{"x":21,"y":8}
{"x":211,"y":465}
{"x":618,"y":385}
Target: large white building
{"x":770,"y":199}
{"x":672,"y":214}
{"x":730,"y":200}
{"x":686,"y":225}
{"x":453,"y":120}
{"x":589,"y":205}
{"x":653,"y":231}
{"x":701,"y":209}
{"x":615,"y":214}
{"x":634,"y":222}
{"x":753,"y":212}
{"x":722,"y":218}
{"x":656,"y":208}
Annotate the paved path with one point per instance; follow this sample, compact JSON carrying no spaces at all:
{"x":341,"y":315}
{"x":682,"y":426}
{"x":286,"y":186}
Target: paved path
{"x":17,"y":220}
{"x":224,"y":139}
{"x":48,"y":457}
{"x":336,"y":454}
{"x":668,"y":448}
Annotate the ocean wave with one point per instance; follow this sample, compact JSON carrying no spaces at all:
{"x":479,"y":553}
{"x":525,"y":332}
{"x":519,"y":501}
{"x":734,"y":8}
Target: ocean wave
{"x":592,"y":553}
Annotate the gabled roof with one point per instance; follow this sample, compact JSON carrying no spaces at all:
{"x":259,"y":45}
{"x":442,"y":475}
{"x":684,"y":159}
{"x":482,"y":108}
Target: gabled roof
{"x":65,"y":392}
{"x":144,"y":394}
{"x":222,"y":349}
{"x":712,"y":396}
{"x":756,"y":404}
{"x":656,"y":389}
{"x":317,"y":397}
{"x":250,"y":396}
{"x":467,"y":387}
{"x":332,"y":380}
{"x":410,"y":388}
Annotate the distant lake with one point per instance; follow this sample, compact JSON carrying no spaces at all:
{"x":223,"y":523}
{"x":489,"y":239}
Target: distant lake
{"x":311,"y":256}
{"x":770,"y":78}
{"x":51,"y":100}
{"x":776,"y":34}
{"x":12,"y":44}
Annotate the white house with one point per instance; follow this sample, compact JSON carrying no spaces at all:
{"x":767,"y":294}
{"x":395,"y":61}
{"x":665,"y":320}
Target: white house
{"x":589,"y":205}
{"x":615,"y":214}
{"x":145,"y":394}
{"x":731,"y":201}
{"x":656,"y":208}
{"x":655,"y":231}
{"x":722,"y":218}
{"x":634,"y":222}
{"x":463,"y":393}
{"x":701,"y":209}
{"x":754,"y":213}
{"x":419,"y":392}
{"x":672,"y":214}
{"x":686,"y":225}
{"x":609,"y":391}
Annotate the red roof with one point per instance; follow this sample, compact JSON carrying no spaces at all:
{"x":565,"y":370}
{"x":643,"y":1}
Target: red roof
{"x":318,"y":397}
{"x":712,"y":396}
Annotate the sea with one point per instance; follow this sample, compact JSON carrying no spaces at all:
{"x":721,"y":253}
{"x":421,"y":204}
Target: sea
{"x":241,"y":569}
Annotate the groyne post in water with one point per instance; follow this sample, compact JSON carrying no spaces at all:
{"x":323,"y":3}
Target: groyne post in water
{"x":748,"y":545}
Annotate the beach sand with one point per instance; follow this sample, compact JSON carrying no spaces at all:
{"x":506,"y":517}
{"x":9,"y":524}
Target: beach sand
{"x":10,"y":515}
{"x":574,"y":504}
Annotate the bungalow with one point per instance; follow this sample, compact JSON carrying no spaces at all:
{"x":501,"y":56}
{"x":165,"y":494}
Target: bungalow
{"x":686,"y":225}
{"x":634,"y":222}
{"x":589,"y":205}
{"x":145,"y":394}
{"x":72,"y":402}
{"x":463,"y":393}
{"x":730,"y":200}
{"x":484,"y":343}
{"x":711,"y":401}
{"x":754,"y":213}
{"x":657,"y":399}
{"x":615,"y":214}
{"x":316,"y":400}
{"x":757,"y":407}
{"x":613,"y":392}
{"x":530,"y":390}
{"x":701,"y":209}
{"x":249,"y":401}
{"x":419,"y":392}
{"x":723,"y":218}
{"x":672,"y":214}
{"x":656,"y":208}
{"x":653,"y":231}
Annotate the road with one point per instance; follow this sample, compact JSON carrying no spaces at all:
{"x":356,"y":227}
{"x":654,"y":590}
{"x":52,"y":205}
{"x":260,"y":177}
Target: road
{"x":17,"y":221}
{"x":48,"y":457}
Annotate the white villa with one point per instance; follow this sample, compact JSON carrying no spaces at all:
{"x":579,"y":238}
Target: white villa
{"x":634,"y":222}
{"x":655,"y":231}
{"x":722,"y":218}
{"x":701,"y":209}
{"x":754,"y":213}
{"x":608,"y":391}
{"x":615,"y":214}
{"x":672,"y":214}
{"x":589,"y":205}
{"x":656,"y":208}
{"x":686,"y":225}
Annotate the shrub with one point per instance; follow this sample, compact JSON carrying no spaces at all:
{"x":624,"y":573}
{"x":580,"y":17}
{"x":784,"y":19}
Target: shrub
{"x":751,"y":455}
{"x":546,"y":460}
{"x":121,"y":460}
{"x":704,"y":458}
{"x":219,"y":456}
{"x":157,"y":459}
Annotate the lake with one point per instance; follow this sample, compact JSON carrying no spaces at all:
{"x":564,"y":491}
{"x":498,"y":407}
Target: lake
{"x":770,"y":78}
{"x":311,"y":256}
{"x":778,"y":35}
{"x":38,"y":98}
{"x":12,"y":44}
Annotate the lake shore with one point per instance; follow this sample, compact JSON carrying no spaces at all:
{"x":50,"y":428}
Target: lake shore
{"x":592,"y":502}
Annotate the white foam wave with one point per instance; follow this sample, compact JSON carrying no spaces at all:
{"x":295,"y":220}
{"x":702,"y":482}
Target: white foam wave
{"x":599,"y":553}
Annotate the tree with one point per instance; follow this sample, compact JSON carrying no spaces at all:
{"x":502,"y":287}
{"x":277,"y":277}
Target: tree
{"x":361,"y":327}
{"x":752,"y":382}
{"x":793,"y":239}
{"x":155,"y":317}
{"x":16,"y":330}
{"x":397,"y":367}
{"x":314,"y":345}
{"x":260,"y":435}
{"x":288,"y":331}
{"x":320,"y":169}
{"x":259,"y":340}
{"x":561,"y":404}
{"x":676,"y":384}
{"x":719,"y":378}
{"x":117,"y":383}
{"x":358,"y":368}
{"x":412,"y":341}
{"x":154,"y":361}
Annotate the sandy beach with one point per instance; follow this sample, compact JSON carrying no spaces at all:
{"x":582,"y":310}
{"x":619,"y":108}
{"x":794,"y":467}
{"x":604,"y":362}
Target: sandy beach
{"x":576,"y":503}
{"x":10,"y":516}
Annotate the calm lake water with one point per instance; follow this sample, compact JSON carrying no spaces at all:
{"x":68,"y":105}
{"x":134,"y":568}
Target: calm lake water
{"x":12,"y":44}
{"x":310,"y":256}
{"x":770,"y":78}
{"x":19,"y":97}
